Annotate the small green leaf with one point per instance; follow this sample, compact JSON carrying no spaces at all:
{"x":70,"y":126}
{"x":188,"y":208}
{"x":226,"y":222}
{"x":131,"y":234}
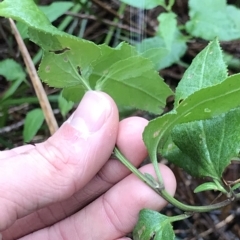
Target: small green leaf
{"x":153,"y":226}
{"x":170,"y":4}
{"x":12,"y":89}
{"x":32,"y":124}
{"x":12,"y":70}
{"x":144,"y":4}
{"x":202,"y":73}
{"x":232,"y":61}
{"x":167,"y":28}
{"x":207,"y":187}
{"x":64,"y":105}
{"x":236,"y":186}
{"x":212,"y":19}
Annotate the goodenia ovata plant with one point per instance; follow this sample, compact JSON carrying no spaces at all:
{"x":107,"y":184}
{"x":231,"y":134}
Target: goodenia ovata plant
{"x":200,"y":135}
{"x":77,"y":65}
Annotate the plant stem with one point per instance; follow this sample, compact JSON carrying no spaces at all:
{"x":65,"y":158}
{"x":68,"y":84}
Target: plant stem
{"x":180,"y":217}
{"x":134,"y":170}
{"x":153,"y":184}
{"x":159,"y":175}
{"x":189,"y":208}
{"x":116,"y":20}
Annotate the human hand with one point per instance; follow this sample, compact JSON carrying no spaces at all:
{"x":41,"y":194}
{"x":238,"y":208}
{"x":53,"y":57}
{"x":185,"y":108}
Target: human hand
{"x":67,"y":188}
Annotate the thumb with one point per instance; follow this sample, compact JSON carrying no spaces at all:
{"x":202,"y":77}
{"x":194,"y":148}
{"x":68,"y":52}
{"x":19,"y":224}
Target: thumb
{"x":52,"y":171}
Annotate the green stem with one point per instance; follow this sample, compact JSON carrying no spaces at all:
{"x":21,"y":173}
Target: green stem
{"x":169,"y":6}
{"x":152,"y":183}
{"x":76,"y":8}
{"x":116,"y":20}
{"x":84,"y":81}
{"x":180,"y":217}
{"x":18,"y":101}
{"x":158,"y":173}
{"x":134,"y":170}
{"x":220,"y":186}
{"x":189,"y":208}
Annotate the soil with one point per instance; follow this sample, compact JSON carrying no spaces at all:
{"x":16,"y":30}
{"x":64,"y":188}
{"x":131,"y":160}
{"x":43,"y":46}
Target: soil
{"x":221,"y":224}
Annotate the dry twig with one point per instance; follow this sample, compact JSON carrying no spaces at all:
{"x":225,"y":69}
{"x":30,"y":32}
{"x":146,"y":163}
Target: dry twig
{"x":40,"y":92}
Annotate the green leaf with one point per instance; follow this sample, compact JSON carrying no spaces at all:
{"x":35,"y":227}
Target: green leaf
{"x":64,"y":105}
{"x":144,"y":4}
{"x":236,"y":186}
{"x":167,"y":28}
{"x":233,"y":62}
{"x":155,"y":55}
{"x":207,"y":186}
{"x":153,"y":226}
{"x":44,"y":34}
{"x":12,"y":89}
{"x":203,"y":104}
{"x":22,"y":29}
{"x":56,"y":9}
{"x":26,"y":11}
{"x":32,"y":124}
{"x":52,"y":11}
{"x":212,"y":19}
{"x":66,"y":69}
{"x":166,"y":57}
{"x":12,"y":70}
{"x":76,"y":64}
{"x":118,"y":73}
{"x":140,"y":88}
{"x":202,"y":73}
{"x":170,"y":4}
{"x":210,"y":144}
{"x":74,"y":93}
{"x":109,"y":56}
{"x":67,"y":60}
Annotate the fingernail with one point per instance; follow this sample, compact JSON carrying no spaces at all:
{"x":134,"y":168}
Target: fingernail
{"x":92,"y":112}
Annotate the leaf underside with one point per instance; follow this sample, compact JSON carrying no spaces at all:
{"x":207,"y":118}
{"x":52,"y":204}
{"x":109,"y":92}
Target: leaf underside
{"x":206,"y":147}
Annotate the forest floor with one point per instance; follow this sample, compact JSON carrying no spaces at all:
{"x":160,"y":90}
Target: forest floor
{"x":223,"y":224}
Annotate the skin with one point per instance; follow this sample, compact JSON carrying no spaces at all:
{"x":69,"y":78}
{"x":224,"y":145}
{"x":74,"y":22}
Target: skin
{"x":68,"y":187}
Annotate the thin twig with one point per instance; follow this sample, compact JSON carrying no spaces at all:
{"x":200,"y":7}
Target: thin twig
{"x":107,"y":8}
{"x":40,"y":92}
{"x":12,"y":127}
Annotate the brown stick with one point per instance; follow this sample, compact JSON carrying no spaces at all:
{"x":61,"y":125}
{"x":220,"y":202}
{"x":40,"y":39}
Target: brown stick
{"x":38,"y":87}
